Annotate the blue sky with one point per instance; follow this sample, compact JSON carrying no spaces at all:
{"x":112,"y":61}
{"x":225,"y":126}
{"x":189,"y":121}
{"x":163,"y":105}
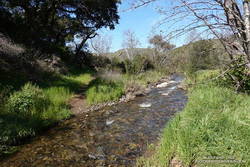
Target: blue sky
{"x":141,"y":21}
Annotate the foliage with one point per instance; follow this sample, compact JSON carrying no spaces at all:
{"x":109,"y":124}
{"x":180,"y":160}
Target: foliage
{"x":49,"y":25}
{"x":29,"y":98}
{"x":97,"y":62}
{"x":238,"y":76}
{"x":137,"y":65}
{"x":199,"y":55}
{"x":103,"y":90}
{"x":202,"y":57}
{"x":215,"y":123}
{"x":160,"y":44}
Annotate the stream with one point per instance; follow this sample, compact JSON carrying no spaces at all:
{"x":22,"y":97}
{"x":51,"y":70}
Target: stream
{"x":113,"y":136}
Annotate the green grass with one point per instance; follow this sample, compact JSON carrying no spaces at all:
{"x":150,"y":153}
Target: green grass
{"x":143,"y":79}
{"x":101,"y":90}
{"x":215,"y":123}
{"x":58,"y":89}
{"x":110,"y":88}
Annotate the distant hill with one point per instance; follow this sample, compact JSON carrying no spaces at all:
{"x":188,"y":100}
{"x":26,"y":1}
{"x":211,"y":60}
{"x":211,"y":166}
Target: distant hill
{"x":180,"y":51}
{"x":122,"y":53}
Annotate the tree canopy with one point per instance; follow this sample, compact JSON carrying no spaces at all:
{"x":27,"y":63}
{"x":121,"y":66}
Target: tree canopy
{"x":50,"y":24}
{"x":160,"y":43}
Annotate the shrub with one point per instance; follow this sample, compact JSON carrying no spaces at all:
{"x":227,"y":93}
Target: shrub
{"x":202,"y":56}
{"x":238,"y":76}
{"x":137,"y":65}
{"x":29,"y":98}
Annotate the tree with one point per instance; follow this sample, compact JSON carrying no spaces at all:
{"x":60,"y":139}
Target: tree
{"x":215,"y":18}
{"x":101,"y":44}
{"x":50,"y":24}
{"x":202,"y":56}
{"x":161,"y":48}
{"x":211,"y":16}
{"x":130,"y":43}
{"x":160,"y":44}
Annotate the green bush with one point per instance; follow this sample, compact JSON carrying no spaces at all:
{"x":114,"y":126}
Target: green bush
{"x":202,"y":56}
{"x":238,"y":76}
{"x":137,"y":65}
{"x":30,"y":98}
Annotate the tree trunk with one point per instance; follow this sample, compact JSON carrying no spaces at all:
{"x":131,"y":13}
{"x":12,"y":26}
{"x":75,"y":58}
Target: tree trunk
{"x":247,"y":27}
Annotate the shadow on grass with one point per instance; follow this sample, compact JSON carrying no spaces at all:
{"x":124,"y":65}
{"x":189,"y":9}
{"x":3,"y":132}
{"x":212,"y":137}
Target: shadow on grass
{"x":43,"y":79}
{"x":15,"y":128}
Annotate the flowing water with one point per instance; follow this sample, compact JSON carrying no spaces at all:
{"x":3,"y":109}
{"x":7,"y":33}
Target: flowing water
{"x":113,"y":136}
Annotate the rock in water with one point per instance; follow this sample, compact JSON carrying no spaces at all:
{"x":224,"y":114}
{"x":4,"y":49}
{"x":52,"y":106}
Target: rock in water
{"x":172,"y":88}
{"x":165,"y":94}
{"x":109,"y":122}
{"x":145,"y":105}
{"x":165,"y":84}
{"x":162,"y":85}
{"x":170,"y":91}
{"x":172,"y":82}
{"x":91,"y":156}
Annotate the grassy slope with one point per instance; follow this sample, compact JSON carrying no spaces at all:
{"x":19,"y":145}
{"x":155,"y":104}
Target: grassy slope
{"x":215,"y":122}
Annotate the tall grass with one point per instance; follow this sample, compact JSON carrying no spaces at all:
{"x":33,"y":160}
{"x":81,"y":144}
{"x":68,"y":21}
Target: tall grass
{"x":103,"y":91}
{"x":215,"y":123}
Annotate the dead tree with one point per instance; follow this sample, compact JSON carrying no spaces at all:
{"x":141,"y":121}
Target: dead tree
{"x":130,"y":43}
{"x":101,"y":44}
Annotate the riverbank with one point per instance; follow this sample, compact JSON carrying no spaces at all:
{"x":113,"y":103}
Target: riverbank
{"x":28,"y":109}
{"x":62,"y":96}
{"x":113,"y":136}
{"x":131,"y":87}
{"x":213,"y":130}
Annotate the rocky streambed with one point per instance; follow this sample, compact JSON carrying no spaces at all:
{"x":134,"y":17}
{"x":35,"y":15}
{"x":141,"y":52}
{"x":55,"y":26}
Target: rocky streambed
{"x":112,"y":136}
